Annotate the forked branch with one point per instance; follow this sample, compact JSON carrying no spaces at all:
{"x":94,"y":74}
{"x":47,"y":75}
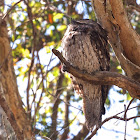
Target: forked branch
{"x":106,"y":120}
{"x":102,"y":77}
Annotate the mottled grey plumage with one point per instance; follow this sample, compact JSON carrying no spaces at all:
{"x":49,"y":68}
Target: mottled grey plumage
{"x":85,"y":47}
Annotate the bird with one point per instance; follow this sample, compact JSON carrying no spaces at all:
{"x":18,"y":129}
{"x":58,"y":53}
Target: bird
{"x":84,"y":46}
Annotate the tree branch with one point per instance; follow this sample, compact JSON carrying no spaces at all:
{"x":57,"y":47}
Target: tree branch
{"x":30,"y":16}
{"x":102,"y":77}
{"x":53,"y":130}
{"x":109,"y":23}
{"x":106,"y":120}
{"x":11,"y":9}
{"x":82,"y":133}
{"x":66,"y":121}
{"x":10,"y":117}
{"x":9,"y":85}
{"x":128,"y":36}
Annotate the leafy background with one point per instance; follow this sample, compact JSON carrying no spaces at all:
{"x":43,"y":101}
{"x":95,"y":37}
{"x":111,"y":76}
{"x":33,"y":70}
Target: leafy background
{"x":35,"y":28}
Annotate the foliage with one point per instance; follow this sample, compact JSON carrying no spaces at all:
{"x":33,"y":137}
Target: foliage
{"x":34,"y":29}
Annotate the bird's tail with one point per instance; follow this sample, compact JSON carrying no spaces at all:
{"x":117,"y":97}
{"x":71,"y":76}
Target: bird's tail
{"x":93,"y":107}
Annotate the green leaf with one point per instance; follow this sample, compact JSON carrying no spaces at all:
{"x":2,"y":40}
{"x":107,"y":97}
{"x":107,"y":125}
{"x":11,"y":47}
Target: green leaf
{"x":121,"y":101}
{"x":119,"y":69}
{"x":62,"y":27}
{"x":128,"y":97}
{"x":55,"y":71}
{"x":48,"y":50}
{"x":57,"y":16}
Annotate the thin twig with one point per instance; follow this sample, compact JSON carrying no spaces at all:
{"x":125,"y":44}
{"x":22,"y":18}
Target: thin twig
{"x":114,"y":117}
{"x":53,"y":8}
{"x":128,"y":107}
{"x":66,"y":119}
{"x":34,"y":96}
{"x":106,"y":120}
{"x":55,"y":108}
{"x":68,"y":124}
{"x":133,"y":8}
{"x":125,"y":118}
{"x":5,"y":15}
{"x":116,"y":131}
{"x":39,"y":85}
{"x":33,"y":50}
{"x":80,"y":109}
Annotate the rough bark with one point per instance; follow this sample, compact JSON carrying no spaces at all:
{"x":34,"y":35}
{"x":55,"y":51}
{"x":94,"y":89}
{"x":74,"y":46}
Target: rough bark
{"x":6,"y":130}
{"x":122,"y":37}
{"x":9,"y":85}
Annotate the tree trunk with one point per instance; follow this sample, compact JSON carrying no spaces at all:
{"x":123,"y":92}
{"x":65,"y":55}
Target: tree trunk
{"x":9,"y":90}
{"x":122,"y":37}
{"x":6,"y":130}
